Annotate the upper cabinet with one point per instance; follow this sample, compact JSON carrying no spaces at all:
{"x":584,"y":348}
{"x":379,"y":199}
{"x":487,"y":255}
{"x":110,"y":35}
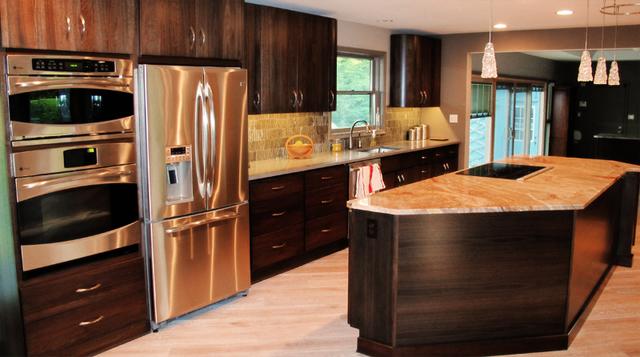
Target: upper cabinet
{"x":192,"y":28}
{"x":415,"y":71}
{"x":291,"y":59}
{"x":69,"y":25}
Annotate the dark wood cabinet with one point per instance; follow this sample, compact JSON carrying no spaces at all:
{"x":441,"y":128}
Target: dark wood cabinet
{"x":85,"y":309}
{"x":192,"y":28}
{"x":415,"y":71}
{"x":291,"y":58}
{"x":106,"y":26}
{"x":399,"y":170}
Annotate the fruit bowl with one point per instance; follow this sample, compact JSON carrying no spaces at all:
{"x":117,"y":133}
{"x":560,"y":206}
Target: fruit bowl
{"x":299,"y":147}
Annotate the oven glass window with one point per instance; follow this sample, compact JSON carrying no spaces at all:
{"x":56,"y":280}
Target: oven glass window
{"x":70,"y":106}
{"x":77,"y":213}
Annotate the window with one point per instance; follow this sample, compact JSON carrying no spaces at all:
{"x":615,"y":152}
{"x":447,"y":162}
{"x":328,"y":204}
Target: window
{"x":359,"y":90}
{"x":480,"y":124}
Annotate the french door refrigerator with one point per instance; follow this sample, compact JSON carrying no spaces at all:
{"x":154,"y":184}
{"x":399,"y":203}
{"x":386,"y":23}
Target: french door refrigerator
{"x":192,"y":149}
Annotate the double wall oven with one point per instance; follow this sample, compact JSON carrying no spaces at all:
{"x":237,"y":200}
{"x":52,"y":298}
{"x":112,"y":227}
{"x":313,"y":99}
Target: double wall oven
{"x":72,"y":156}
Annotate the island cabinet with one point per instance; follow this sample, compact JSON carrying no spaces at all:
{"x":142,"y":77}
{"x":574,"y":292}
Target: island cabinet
{"x":106,"y":26}
{"x":291,"y":59}
{"x":297,"y":217}
{"x":415,"y":71}
{"x":399,"y":170}
{"x":85,"y":309}
{"x":211,"y":29}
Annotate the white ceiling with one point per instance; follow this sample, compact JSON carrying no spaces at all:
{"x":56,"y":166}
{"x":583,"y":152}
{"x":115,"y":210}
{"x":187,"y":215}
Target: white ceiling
{"x":455,"y":16}
{"x":632,"y":54}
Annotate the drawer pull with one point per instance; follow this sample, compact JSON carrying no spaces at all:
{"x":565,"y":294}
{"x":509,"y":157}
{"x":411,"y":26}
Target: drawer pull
{"x":423,"y":157}
{"x":86,"y":290}
{"x":423,"y":171}
{"x":325,"y":178}
{"x":87,"y":323}
{"x":279,"y":246}
{"x":277,"y":188}
{"x":326,"y":230}
{"x":278,"y":214}
{"x":324,"y":202}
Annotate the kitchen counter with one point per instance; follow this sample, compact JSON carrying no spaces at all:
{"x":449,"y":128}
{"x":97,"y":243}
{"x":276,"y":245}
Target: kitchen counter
{"x":275,"y":167}
{"x":466,"y":265}
{"x":568,"y":184}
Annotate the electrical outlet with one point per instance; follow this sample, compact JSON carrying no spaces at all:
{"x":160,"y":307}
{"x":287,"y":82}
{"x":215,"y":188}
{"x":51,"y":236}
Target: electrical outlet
{"x":453,"y":118}
{"x":631,"y":117}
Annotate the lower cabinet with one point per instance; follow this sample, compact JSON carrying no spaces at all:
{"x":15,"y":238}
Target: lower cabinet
{"x":86,"y":309}
{"x":408,"y":168}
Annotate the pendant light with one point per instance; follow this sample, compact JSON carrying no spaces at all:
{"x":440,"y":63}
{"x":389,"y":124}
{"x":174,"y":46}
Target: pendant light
{"x":585,"y":73}
{"x":601,"y":68}
{"x":489,"y":66}
{"x":614,"y":72}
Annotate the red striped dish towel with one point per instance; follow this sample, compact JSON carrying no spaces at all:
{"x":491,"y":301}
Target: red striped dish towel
{"x":369,"y":181}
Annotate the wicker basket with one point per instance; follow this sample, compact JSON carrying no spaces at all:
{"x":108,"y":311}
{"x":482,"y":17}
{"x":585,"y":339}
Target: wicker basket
{"x":299,"y":147}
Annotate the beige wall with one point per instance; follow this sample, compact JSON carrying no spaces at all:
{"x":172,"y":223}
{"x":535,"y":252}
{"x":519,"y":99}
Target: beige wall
{"x":456,"y":61}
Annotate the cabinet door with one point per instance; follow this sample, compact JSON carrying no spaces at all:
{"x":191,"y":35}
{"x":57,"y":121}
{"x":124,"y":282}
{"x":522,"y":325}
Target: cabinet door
{"x":332,"y":59}
{"x":220,"y":29}
{"x":429,"y":71}
{"x":168,"y":27}
{"x":39,"y":24}
{"x":314,"y":60}
{"x":106,"y":26}
{"x":277,"y":60}
{"x":405,"y":83}
{"x":251,"y":56}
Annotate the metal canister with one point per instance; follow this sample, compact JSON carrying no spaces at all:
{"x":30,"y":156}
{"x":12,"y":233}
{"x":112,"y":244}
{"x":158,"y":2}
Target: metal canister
{"x":411,"y":134}
{"x":418,"y":133}
{"x":425,"y":131}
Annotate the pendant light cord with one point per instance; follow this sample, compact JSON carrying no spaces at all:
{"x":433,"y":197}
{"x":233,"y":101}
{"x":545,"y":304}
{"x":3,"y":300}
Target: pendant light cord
{"x":604,"y":4}
{"x":490,"y":19}
{"x":615,"y":36}
{"x":586,"y":30}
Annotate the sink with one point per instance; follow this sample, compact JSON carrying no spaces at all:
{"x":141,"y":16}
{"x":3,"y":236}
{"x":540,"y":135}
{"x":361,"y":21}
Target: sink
{"x":378,"y":149}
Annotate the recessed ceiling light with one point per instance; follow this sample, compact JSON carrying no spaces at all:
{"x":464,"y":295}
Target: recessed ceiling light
{"x":565,"y":12}
{"x":500,"y":26}
{"x":384,"y":21}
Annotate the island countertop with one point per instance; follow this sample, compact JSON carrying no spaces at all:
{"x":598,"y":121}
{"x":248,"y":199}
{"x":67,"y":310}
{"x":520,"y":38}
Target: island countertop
{"x":567,"y":184}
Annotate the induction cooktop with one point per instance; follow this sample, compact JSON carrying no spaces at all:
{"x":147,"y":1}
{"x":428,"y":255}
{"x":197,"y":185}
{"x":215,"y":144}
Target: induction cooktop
{"x":501,"y":170}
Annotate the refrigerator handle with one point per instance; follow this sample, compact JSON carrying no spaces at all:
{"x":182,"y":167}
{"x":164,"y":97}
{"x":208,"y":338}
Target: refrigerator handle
{"x":212,"y":132}
{"x":198,"y":151}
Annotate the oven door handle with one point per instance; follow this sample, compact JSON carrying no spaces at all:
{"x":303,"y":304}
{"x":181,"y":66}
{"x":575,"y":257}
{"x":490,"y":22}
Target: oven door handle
{"x":202,"y":222}
{"x":27,"y":188}
{"x":19,"y":85}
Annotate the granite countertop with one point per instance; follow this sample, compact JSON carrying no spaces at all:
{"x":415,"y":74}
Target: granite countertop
{"x":568,"y":184}
{"x":275,"y":167}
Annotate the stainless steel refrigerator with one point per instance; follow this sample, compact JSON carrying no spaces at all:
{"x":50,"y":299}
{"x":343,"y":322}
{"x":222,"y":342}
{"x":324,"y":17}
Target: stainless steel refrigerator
{"x":193,"y":154}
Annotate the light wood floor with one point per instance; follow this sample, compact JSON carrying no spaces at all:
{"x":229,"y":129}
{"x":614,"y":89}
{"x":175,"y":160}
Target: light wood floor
{"x":303,"y":313}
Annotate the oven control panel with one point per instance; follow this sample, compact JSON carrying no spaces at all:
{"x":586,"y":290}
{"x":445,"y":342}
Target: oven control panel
{"x":72,"y":65}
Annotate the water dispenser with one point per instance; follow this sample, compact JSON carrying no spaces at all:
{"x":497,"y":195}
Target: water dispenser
{"x":179,"y":174}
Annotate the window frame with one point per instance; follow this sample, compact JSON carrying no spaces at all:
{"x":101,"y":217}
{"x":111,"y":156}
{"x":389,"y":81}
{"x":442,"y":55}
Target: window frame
{"x":377,"y":92}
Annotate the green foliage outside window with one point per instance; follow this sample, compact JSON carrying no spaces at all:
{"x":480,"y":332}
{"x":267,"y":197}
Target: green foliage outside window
{"x":355,"y":74}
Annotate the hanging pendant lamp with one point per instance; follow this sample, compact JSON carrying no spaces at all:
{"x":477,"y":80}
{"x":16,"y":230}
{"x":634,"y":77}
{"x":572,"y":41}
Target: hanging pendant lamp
{"x":489,"y":65}
{"x":585,"y":73}
{"x":614,"y":72}
{"x":600,"y":77}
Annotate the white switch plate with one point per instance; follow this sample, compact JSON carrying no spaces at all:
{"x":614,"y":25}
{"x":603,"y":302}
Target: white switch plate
{"x":631,"y":117}
{"x":453,"y":118}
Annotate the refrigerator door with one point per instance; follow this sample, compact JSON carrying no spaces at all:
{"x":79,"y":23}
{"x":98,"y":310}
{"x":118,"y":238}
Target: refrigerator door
{"x":226,"y":109}
{"x":199,"y":260}
{"x":172,"y":120}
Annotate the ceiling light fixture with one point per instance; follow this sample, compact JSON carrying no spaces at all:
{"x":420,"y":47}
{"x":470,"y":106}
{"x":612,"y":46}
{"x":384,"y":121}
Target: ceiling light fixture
{"x":565,"y":12}
{"x":489,"y":66}
{"x":585,"y":73}
{"x":601,"y":68}
{"x":500,"y":26}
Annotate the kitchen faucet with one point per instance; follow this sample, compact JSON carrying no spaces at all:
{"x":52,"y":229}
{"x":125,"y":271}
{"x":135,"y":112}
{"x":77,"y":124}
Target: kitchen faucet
{"x":351,"y":132}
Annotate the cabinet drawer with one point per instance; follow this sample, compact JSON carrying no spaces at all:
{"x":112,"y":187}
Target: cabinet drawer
{"x":276,"y":188}
{"x":274,"y":247}
{"x":105,"y":322}
{"x":326,"y":201}
{"x":325,"y":230}
{"x":52,"y":294}
{"x":319,"y":179}
{"x":397,"y":162}
{"x":445,"y":152}
{"x":269,"y":216}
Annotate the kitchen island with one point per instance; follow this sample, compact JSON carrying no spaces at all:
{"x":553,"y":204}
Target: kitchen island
{"x":467,"y":265}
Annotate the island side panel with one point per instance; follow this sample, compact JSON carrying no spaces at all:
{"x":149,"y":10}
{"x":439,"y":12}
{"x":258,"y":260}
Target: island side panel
{"x":473,"y":277}
{"x":372,"y":275}
{"x":596,"y":228}
{"x":628,"y":218}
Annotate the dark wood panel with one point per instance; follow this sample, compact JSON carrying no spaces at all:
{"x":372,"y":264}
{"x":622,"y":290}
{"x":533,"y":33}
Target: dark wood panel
{"x":560,"y":121}
{"x":110,"y":26}
{"x":482,"y":276}
{"x":251,"y":56}
{"x":38,"y":24}
{"x":166,"y":27}
{"x":372,"y":275}
{"x":319,"y":179}
{"x":314,"y":61}
{"x":415,"y":71}
{"x":220,"y":29}
{"x":326,"y":201}
{"x":277,"y":187}
{"x":628,"y":219}
{"x":268,"y":216}
{"x":324,"y":230}
{"x":275,"y":247}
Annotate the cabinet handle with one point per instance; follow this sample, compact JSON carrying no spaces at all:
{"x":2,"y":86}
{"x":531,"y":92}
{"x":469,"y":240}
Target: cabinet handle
{"x":87,"y":323}
{"x":301,"y":98}
{"x":294,"y":99}
{"x":325,"y":178}
{"x":426,"y":96}
{"x":326,"y":230}
{"x":279,"y":214}
{"x":332,"y":97}
{"x":277,"y":188}
{"x":83,"y":23}
{"x":279,"y":246}
{"x":68,"y":25}
{"x":86,"y":290}
{"x":325,"y":202}
{"x":423,"y":157}
{"x":204,"y":37}
{"x":424,"y":172}
{"x":256,"y":102}
{"x":192,"y":34}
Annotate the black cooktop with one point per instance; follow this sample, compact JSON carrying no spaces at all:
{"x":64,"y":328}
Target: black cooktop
{"x":500,"y":170}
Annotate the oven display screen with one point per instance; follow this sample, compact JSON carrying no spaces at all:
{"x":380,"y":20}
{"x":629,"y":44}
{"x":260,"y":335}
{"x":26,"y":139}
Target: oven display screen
{"x":80,"y":157}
